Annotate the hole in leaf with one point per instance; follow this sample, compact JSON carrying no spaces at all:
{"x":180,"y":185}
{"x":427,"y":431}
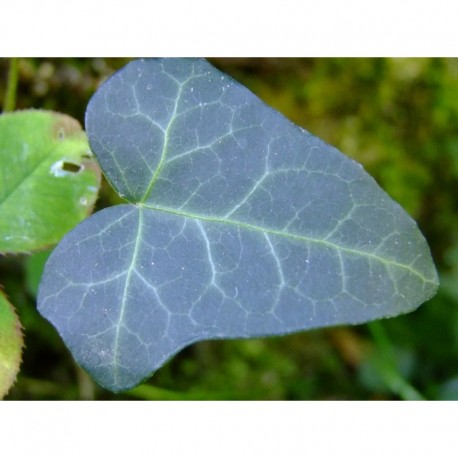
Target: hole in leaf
{"x":69,"y":167}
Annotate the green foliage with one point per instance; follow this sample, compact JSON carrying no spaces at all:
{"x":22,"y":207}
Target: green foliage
{"x":398,"y":118}
{"x":48,"y":183}
{"x":11,"y":343}
{"x":48,"y":180}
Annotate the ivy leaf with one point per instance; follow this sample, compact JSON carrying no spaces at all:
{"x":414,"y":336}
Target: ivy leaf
{"x":48,"y":179}
{"x":11,"y":343}
{"x":238,"y":224}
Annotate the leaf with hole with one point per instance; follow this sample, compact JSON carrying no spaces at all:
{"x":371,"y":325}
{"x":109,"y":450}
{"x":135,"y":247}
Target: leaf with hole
{"x":48,"y":179}
{"x":238,"y":224}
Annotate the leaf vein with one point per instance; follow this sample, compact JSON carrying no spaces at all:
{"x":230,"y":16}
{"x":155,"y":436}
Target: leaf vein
{"x":302,"y":238}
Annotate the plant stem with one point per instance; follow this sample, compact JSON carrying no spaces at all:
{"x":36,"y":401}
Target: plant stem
{"x":153,"y":393}
{"x":9,"y":103}
{"x":86,"y":387}
{"x":388,"y":370}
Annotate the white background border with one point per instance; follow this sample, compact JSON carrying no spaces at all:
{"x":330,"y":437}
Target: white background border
{"x":228,"y":429}
{"x":115,"y":28}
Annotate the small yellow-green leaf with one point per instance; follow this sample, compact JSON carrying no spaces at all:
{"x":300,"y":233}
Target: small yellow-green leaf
{"x":11,"y":343}
{"x":48,"y":179}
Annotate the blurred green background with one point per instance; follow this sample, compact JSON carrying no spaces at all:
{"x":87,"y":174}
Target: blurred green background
{"x":399,"y":118}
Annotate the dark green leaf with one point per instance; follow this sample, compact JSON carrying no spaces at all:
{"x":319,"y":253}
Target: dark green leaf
{"x":240,"y":224}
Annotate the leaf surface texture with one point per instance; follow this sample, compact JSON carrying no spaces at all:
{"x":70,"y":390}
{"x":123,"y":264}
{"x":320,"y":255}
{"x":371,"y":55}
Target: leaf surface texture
{"x":48,"y":179}
{"x":238,"y":224}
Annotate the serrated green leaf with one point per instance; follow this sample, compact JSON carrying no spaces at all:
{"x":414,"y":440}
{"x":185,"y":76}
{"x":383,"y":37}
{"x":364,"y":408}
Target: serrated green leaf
{"x":240,"y":224}
{"x":11,"y":343}
{"x":48,"y":180}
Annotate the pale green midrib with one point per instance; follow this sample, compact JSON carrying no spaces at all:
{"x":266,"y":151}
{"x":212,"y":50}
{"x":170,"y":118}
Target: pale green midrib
{"x":159,"y":167}
{"x":124,"y":295}
{"x":303,"y":238}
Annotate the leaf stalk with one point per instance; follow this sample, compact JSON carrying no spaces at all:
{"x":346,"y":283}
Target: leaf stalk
{"x":9,"y":103}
